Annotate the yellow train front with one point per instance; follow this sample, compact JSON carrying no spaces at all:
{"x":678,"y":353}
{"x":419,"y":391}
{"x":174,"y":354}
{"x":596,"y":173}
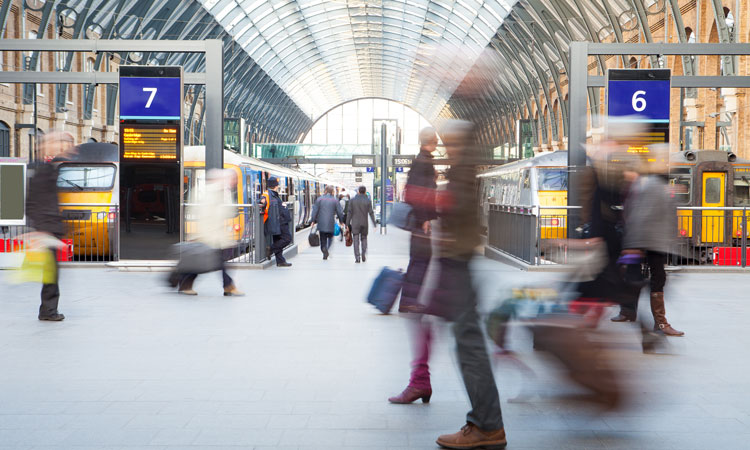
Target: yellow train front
{"x":539,"y":183}
{"x":712,"y":189}
{"x":88,"y":197}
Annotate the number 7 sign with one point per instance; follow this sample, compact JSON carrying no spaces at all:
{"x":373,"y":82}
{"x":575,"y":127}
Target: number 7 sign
{"x":152,"y":90}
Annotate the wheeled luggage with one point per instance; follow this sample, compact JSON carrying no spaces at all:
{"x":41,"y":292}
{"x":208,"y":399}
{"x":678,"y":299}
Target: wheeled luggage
{"x":385,"y":289}
{"x":197,"y":258}
{"x":314,"y":238}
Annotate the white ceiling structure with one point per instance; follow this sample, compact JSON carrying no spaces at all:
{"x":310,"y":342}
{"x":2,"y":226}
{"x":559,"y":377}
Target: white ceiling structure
{"x":324,"y":53}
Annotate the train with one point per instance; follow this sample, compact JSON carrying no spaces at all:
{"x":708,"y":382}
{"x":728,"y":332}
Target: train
{"x":92,"y":177}
{"x":538,"y":181}
{"x":711,"y":188}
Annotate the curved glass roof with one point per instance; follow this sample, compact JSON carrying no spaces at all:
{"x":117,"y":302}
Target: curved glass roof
{"x":325,"y":52}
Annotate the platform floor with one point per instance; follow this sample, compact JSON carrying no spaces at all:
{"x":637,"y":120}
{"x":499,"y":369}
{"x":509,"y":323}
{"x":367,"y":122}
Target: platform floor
{"x":302,"y":362}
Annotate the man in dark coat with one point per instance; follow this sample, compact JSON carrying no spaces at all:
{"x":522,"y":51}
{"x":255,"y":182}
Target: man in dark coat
{"x":360,"y":207}
{"x":272,"y":219}
{"x":324,"y":213}
{"x":420,"y":195}
{"x":43,"y":208}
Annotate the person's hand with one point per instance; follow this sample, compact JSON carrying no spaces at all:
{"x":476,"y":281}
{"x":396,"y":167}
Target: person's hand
{"x":427,"y":227}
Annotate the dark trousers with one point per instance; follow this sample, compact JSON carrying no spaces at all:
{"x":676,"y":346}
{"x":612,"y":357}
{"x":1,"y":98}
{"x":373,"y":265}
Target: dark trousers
{"x":326,"y":241}
{"x":420,"y":253}
{"x":456,"y":298}
{"x":656,"y":262}
{"x":359,"y":239}
{"x":50,"y":293}
{"x":186,"y":279}
{"x":280,"y":241}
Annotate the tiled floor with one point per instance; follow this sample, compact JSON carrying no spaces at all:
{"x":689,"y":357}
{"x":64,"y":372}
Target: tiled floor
{"x":302,"y":362}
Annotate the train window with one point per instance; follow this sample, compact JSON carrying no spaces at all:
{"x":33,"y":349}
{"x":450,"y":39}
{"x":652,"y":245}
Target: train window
{"x":526,"y":179}
{"x":78,"y":177}
{"x":680,"y":188}
{"x":713,"y":190}
{"x":197,"y":187}
{"x":742,"y":192}
{"x":552,"y":179}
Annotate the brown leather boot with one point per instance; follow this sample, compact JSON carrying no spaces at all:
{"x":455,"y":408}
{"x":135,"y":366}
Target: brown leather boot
{"x":412,"y":394}
{"x":471,"y":437}
{"x":232,"y":290}
{"x":660,"y":316}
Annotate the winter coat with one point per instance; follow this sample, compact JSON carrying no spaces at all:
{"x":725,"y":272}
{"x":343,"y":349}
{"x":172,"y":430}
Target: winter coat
{"x":420,"y":188}
{"x":359,"y":208}
{"x":324,"y":210}
{"x":650,"y":214}
{"x":42,"y":204}
{"x":273,"y":222}
{"x":214,"y":227}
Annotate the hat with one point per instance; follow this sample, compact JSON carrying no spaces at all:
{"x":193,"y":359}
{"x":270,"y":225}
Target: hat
{"x":272,"y":182}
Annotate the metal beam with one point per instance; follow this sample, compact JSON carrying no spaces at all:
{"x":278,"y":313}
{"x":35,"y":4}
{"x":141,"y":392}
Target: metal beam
{"x":97,"y":45}
{"x":81,"y":77}
{"x":667,"y":49}
{"x":691,"y":81}
{"x":348,"y":161}
{"x":214,"y":103}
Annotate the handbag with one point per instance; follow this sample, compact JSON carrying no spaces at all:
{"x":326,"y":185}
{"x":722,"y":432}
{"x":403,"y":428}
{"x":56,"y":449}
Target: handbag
{"x":336,"y":229}
{"x":348,"y":237}
{"x":313,"y":238}
{"x":402,"y":216}
{"x":197,"y":257}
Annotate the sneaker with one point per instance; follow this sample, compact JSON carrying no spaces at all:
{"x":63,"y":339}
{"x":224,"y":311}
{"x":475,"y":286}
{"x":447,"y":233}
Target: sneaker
{"x":57,"y":317}
{"x":471,"y":437}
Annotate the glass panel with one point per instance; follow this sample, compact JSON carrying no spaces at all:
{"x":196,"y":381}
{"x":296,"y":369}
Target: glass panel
{"x":552,"y":179}
{"x":85,"y":177}
{"x":713,"y":190}
{"x":741,"y":193}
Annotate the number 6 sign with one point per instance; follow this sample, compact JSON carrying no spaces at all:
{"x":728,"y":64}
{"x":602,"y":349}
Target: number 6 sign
{"x":636,"y":92}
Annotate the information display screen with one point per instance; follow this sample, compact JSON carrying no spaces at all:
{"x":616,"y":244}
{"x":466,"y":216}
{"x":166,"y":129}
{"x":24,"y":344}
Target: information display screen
{"x":12,"y":194}
{"x":640,"y":95}
{"x":150,"y":142}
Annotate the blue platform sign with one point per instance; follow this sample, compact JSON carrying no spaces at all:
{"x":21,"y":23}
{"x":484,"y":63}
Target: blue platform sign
{"x":150,"y":98}
{"x":649,"y":99}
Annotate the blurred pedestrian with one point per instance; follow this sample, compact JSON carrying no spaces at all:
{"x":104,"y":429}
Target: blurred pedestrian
{"x":360,"y":208}
{"x":324,"y":213}
{"x":212,"y":229}
{"x":650,"y":214}
{"x":421,"y":186}
{"x":274,"y":222}
{"x":455,"y":298}
{"x":344,"y":202}
{"x":43,"y":209}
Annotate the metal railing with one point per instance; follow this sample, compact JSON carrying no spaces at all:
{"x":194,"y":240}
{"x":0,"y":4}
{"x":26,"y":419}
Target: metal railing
{"x":92,"y":233}
{"x":240,"y":230}
{"x":540,"y":235}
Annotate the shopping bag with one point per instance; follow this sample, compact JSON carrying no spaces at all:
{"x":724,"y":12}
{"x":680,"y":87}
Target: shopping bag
{"x":385,"y":289}
{"x":402,"y":216}
{"x":38,"y":267}
{"x":336,"y":229}
{"x":313,"y":238}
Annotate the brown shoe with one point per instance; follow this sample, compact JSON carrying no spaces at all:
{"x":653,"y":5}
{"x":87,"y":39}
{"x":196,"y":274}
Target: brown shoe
{"x":412,"y":394}
{"x":471,"y":437}
{"x":232,"y":290}
{"x":623,"y":318}
{"x":660,"y":316}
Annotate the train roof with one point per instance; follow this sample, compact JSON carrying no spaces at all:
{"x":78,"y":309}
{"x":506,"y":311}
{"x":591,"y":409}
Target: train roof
{"x":197,"y":153}
{"x":95,"y":152}
{"x":697,"y":156}
{"x":554,"y":159}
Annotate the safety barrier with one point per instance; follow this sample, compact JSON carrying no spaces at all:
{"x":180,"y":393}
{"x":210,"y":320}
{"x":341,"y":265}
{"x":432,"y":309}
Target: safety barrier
{"x":540,"y":235}
{"x":93,"y":233}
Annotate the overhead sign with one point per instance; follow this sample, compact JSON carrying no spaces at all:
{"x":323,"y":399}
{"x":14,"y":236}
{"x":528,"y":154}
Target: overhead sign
{"x":155,"y":142}
{"x":401,"y":160}
{"x":363,"y":160}
{"x":12,"y":193}
{"x":640,"y":95}
{"x":150,"y":93}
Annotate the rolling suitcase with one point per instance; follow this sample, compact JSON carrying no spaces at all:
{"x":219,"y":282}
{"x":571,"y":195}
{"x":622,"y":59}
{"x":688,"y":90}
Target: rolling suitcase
{"x":385,"y":289}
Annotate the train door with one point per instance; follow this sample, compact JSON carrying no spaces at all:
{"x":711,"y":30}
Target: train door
{"x":713,"y":222}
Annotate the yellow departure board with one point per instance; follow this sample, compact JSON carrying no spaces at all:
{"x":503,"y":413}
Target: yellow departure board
{"x":149,"y":142}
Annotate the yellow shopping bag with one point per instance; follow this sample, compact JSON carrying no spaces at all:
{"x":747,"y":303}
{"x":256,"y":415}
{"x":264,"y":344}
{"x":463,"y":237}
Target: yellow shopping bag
{"x":38,"y":267}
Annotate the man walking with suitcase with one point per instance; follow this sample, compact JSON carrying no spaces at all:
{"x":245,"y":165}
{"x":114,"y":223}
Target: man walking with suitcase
{"x":360,"y":207}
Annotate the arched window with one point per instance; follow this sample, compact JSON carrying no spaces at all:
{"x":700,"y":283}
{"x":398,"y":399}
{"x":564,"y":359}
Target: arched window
{"x":633,"y":63}
{"x":4,"y":139}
